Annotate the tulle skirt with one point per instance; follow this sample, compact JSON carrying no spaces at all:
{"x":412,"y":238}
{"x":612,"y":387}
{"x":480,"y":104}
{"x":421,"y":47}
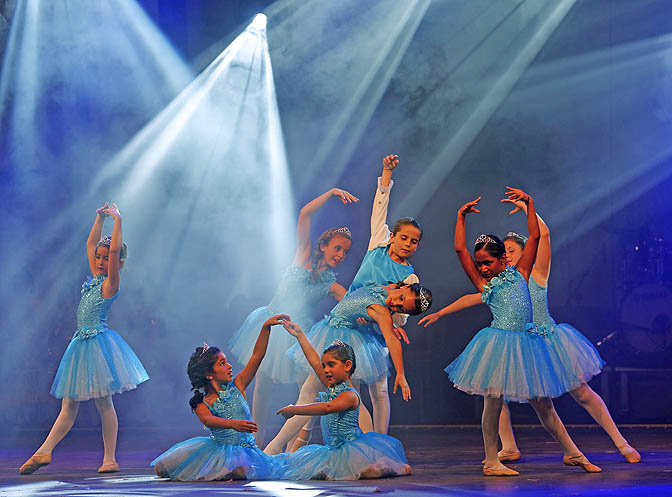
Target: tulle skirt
{"x":203,"y":459}
{"x":520,"y":365}
{"x":370,"y":354}
{"x":98,"y":366}
{"x":370,"y":455}
{"x":275,"y":365}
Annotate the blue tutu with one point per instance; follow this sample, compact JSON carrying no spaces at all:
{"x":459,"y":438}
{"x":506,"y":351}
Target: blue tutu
{"x":97,"y":362}
{"x":348,"y":454}
{"x":296,"y":295}
{"x":204,"y":459}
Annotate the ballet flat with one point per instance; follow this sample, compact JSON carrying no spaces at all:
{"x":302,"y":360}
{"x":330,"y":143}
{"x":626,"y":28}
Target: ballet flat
{"x":508,"y":456}
{"x":631,"y":455}
{"x":34,"y":463}
{"x":499,"y":471}
{"x":587,"y":466}
{"x":109,"y":467}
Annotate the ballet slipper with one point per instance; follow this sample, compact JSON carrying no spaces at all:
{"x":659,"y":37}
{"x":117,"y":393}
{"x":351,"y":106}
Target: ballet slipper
{"x":35,"y":462}
{"x":161,"y":471}
{"x":499,"y":470}
{"x":631,"y":455}
{"x":581,"y":460}
{"x":109,"y":467}
{"x":506,"y":456}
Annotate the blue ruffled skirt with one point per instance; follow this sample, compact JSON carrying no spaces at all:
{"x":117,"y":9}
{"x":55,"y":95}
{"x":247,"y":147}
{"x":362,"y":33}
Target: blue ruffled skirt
{"x":275,"y":365}
{"x":94,"y":367}
{"x":372,"y":356}
{"x":203,"y":459}
{"x":516,"y":365}
{"x":370,"y":455}
{"x":576,"y":359}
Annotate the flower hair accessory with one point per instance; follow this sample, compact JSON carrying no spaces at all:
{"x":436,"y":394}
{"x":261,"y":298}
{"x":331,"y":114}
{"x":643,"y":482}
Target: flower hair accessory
{"x":337,"y":342}
{"x":484,"y":239}
{"x":424,"y":302}
{"x":345,"y":230}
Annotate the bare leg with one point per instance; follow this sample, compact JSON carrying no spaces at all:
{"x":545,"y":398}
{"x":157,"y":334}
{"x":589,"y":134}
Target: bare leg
{"x":551,"y":421}
{"x":381,"y":405}
{"x":593,"y":403}
{"x":489,"y":423}
{"x":110,"y":428}
{"x":293,"y":425}
{"x":509,"y":450}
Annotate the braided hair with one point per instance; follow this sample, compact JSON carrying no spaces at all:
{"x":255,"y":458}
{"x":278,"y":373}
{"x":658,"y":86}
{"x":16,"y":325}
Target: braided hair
{"x":343,"y":352}
{"x":200,"y":366}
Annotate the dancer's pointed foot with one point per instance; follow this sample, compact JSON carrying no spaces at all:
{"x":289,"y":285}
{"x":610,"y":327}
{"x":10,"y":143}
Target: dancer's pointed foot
{"x":499,"y":470}
{"x":630,"y":454}
{"x":109,"y":467}
{"x":581,"y":460}
{"x":508,"y":455}
{"x":35,"y":462}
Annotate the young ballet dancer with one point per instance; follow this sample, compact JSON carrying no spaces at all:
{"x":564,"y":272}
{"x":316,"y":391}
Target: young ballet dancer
{"x":309,"y":279}
{"x":510,"y":360}
{"x":385,"y":262}
{"x":578,"y":359}
{"x":347,"y":453}
{"x":219,"y":402}
{"x":97,"y":362}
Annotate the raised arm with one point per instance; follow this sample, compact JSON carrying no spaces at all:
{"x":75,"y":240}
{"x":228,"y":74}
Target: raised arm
{"x":303,"y":245}
{"x":111,"y":283}
{"x":309,"y":351}
{"x":380,"y":233}
{"x":94,"y":236}
{"x":530,"y":251}
{"x":381,"y":315}
{"x":245,"y":377}
{"x":463,"y":253}
{"x":464,"y":302}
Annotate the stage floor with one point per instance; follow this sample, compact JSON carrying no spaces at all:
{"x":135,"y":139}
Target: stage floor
{"x":445,"y":462}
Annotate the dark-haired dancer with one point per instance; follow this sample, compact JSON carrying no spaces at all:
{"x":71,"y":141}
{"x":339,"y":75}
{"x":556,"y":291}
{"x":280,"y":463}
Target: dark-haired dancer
{"x":309,"y":279}
{"x":385,"y":262}
{"x":510,"y":359}
{"x":97,"y":362}
{"x":219,"y":402}
{"x":347,"y":453}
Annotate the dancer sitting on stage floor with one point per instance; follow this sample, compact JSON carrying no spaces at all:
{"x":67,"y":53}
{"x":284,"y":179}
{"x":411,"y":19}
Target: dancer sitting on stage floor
{"x":308,"y":280}
{"x":578,"y":360}
{"x":511,"y":359}
{"x":97,"y":362}
{"x":347,"y":453}
{"x":219,"y":402}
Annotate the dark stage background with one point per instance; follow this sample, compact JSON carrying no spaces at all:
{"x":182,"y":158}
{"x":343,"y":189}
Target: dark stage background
{"x":573,"y":106}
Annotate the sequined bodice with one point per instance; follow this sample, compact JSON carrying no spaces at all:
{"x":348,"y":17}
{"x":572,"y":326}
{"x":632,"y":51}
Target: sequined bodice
{"x":339,"y":427}
{"x":354,"y":306}
{"x":231,"y":405}
{"x":539,"y":296}
{"x":297,"y":294}
{"x":508,"y":297}
{"x":378,"y":268}
{"x":93,"y":307}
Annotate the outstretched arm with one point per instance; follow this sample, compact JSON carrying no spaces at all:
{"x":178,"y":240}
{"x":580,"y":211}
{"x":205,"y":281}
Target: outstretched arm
{"x":94,"y":236}
{"x":308,"y":350}
{"x":305,"y":215}
{"x":381,"y":315}
{"x":346,"y":401}
{"x":530,"y":251}
{"x":463,"y":254}
{"x":111,"y":283}
{"x":464,"y":302}
{"x":380,"y":233}
{"x":245,"y":377}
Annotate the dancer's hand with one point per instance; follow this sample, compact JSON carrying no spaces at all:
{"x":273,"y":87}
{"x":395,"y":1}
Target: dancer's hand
{"x":469,"y":207}
{"x":292,"y":328}
{"x":430,"y":319}
{"x":244,"y":426}
{"x":517,"y":194}
{"x":519,"y":205}
{"x":401,"y":335}
{"x":287,"y":411}
{"x":102,"y":210}
{"x":113,"y":211}
{"x":390,"y":162}
{"x":364,"y":321}
{"x":345,"y":196}
{"x":277,"y":319}
{"x":400,"y":381}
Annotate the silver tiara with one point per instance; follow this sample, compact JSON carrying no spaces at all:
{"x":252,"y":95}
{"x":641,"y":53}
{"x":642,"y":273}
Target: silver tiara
{"x":205,"y":347}
{"x":106,"y":240}
{"x":344,"y":229}
{"x":424,"y":303}
{"x":484,"y":239}
{"x":515,"y":235}
{"x":337,"y":341}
